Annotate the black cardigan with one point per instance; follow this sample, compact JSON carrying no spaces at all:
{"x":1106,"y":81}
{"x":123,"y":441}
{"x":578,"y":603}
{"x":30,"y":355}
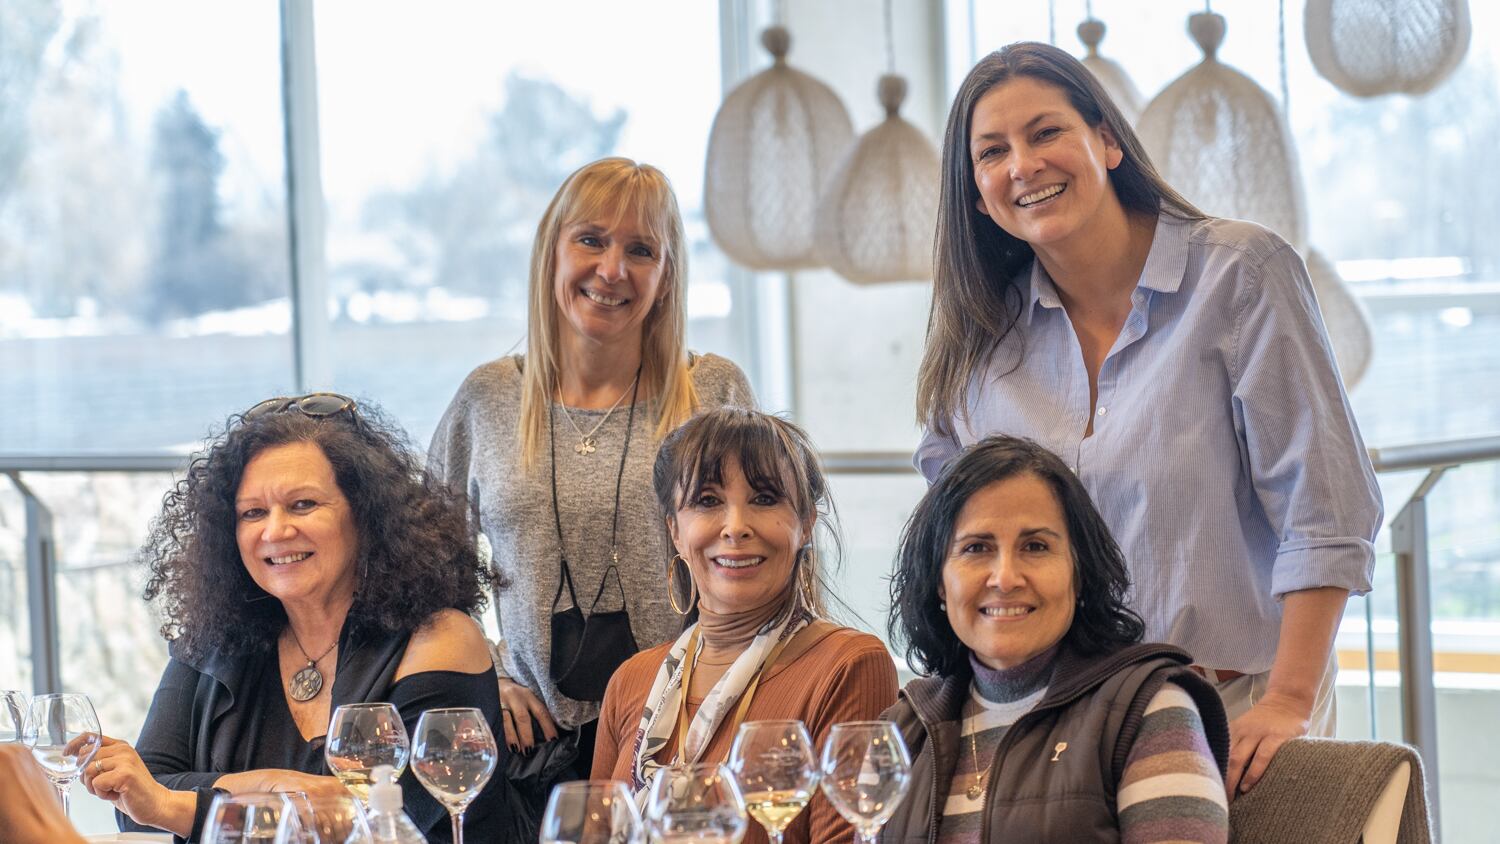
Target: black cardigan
{"x":200,"y":718}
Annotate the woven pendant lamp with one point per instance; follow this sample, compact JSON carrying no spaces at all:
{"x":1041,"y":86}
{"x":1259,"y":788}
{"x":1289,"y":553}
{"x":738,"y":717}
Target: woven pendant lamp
{"x":876,"y":219}
{"x":1222,"y":142}
{"x":1367,"y":48}
{"x":1345,"y":317}
{"x":773,"y":145}
{"x":1109,"y":73}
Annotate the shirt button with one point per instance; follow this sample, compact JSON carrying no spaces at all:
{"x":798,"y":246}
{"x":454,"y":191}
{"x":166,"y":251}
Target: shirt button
{"x":1101,"y":411}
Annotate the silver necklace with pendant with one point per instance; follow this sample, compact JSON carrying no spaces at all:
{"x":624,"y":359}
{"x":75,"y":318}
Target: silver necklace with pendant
{"x":308,"y":681}
{"x":586,"y":443}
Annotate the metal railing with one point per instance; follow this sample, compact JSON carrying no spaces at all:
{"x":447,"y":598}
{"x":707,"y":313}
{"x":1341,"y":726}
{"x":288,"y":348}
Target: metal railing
{"x":1408,"y":542}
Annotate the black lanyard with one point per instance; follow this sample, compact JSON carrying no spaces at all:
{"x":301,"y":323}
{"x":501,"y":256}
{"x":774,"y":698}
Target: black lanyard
{"x":614,"y":522}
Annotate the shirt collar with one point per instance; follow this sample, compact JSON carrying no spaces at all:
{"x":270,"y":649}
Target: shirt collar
{"x":1166,"y":264}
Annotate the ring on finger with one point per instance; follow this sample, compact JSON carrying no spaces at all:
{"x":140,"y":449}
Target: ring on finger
{"x":98,"y":767}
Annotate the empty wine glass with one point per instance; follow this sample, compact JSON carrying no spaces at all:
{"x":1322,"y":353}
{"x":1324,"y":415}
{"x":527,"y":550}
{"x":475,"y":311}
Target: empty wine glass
{"x":592,"y":812}
{"x":248,"y":818}
{"x":773,"y":761}
{"x":63,"y":734}
{"x":323,"y":819}
{"x":695,"y":804}
{"x":453,"y":756}
{"x":361,"y":736}
{"x":866,"y":773}
{"x":12,"y":715}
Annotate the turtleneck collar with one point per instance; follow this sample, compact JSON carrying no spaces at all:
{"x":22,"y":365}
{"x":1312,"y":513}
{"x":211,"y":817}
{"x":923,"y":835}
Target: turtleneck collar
{"x":1005,"y":685}
{"x":731,"y":633}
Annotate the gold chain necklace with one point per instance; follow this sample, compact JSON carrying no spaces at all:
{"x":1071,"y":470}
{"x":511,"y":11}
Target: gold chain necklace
{"x":976,"y":787}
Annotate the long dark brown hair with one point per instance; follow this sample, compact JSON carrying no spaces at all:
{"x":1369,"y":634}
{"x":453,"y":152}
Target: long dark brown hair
{"x":975,"y":298}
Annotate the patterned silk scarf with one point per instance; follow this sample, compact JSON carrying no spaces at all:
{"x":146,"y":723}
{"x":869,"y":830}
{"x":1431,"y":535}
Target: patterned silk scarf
{"x":666,"y":696}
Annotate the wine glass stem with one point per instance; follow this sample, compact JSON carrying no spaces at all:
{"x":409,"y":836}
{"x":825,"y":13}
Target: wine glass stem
{"x":62,"y":797}
{"x":458,"y":827}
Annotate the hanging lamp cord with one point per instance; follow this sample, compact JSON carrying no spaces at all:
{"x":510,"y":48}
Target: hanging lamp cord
{"x":1286,"y":92}
{"x":890,"y":40}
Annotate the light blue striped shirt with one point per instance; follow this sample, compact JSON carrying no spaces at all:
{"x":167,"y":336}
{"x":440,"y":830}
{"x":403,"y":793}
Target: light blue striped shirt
{"x":1225,"y":457}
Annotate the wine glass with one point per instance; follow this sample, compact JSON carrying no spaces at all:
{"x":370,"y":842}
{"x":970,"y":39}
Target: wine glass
{"x":361,"y":736}
{"x":695,"y":804}
{"x":866,"y":773}
{"x":63,"y":734}
{"x":591,"y":812}
{"x":249,"y":817}
{"x":453,"y":757}
{"x":773,"y":761}
{"x":12,"y":715}
{"x":323,"y":819}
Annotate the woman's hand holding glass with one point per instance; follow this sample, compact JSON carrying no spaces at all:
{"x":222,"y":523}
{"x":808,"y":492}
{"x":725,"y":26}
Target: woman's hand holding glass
{"x":360,"y":737}
{"x":63,"y":734}
{"x":866,"y":773}
{"x":773,"y":762}
{"x":695,"y":804}
{"x":453,"y":756}
{"x":592,"y":812}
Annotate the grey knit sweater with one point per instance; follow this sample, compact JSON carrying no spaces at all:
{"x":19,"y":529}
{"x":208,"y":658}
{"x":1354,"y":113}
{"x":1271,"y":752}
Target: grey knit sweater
{"x":476,"y":449}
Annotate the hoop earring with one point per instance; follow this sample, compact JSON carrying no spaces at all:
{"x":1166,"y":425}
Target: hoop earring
{"x":672,"y":586}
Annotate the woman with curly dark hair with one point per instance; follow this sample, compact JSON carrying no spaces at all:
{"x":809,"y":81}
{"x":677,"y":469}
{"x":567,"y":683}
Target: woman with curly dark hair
{"x":1042,"y":714}
{"x":303,"y":563}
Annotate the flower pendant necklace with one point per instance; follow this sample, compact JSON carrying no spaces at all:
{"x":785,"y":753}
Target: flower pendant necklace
{"x":308,"y":681}
{"x":586,"y":443}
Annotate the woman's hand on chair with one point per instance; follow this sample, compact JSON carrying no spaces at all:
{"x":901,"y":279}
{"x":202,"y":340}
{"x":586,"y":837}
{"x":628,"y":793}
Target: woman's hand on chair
{"x":518,"y":705}
{"x":1255,"y":737}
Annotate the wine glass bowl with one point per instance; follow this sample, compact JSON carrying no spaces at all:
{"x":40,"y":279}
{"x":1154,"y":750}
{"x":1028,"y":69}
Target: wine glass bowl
{"x":63,"y":734}
{"x":360,"y":737}
{"x":695,"y":804}
{"x":249,"y":818}
{"x":777,"y":773}
{"x":453,"y":755}
{"x":866,"y":773}
{"x":323,"y":819}
{"x":591,"y":812}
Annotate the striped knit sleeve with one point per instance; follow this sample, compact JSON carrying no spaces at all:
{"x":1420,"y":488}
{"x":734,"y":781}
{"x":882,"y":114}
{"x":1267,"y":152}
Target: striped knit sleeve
{"x":1171,"y":789}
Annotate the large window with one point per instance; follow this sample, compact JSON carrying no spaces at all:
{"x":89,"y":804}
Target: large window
{"x":444,"y":136}
{"x":143,"y":268}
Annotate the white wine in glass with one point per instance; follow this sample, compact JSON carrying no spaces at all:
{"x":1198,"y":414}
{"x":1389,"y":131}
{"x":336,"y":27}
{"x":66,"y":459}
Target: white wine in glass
{"x":773,"y":762}
{"x":695,"y":804}
{"x":63,"y":734}
{"x":866,"y":773}
{"x":453,"y":756}
{"x":360,"y":737}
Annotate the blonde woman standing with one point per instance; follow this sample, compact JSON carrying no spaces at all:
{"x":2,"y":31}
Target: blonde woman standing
{"x":555,"y":447}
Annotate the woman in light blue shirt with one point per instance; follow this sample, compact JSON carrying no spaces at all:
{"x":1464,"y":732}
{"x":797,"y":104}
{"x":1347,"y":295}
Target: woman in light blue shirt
{"x":1178,"y":364}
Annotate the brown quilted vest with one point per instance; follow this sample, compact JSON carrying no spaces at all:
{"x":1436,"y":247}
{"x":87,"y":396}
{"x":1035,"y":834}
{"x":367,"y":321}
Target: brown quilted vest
{"x":1036,"y":793}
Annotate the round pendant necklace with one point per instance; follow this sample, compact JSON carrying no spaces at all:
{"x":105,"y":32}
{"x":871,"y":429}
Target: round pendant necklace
{"x":308,"y":681}
{"x":586,"y":443}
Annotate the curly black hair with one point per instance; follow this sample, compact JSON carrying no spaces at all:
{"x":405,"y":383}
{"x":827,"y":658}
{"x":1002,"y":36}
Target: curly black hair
{"x":1102,"y":622}
{"x":416,"y":553}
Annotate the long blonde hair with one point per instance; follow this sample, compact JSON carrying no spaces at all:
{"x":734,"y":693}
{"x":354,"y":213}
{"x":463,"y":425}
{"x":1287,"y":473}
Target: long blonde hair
{"x":610,"y":186}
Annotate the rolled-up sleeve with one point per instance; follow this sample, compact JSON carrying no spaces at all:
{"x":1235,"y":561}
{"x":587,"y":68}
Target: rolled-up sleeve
{"x":934,"y":452}
{"x":1308,"y":464}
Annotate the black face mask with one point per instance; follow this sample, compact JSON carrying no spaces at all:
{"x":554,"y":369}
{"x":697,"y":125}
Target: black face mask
{"x":586,"y":650}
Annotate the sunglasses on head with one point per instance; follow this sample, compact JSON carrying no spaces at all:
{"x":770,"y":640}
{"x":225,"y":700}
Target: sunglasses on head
{"x":313,"y":404}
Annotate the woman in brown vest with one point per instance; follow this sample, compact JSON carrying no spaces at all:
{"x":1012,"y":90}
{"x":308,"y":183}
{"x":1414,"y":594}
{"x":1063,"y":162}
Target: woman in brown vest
{"x":1041,"y":716}
{"x":741,"y":493}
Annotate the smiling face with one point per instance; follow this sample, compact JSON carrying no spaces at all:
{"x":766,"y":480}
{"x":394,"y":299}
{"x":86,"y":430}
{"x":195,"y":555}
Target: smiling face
{"x":609,"y":277}
{"x":294,"y":527}
{"x":739,"y":542}
{"x":1008,"y":576}
{"x":1041,"y":170}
